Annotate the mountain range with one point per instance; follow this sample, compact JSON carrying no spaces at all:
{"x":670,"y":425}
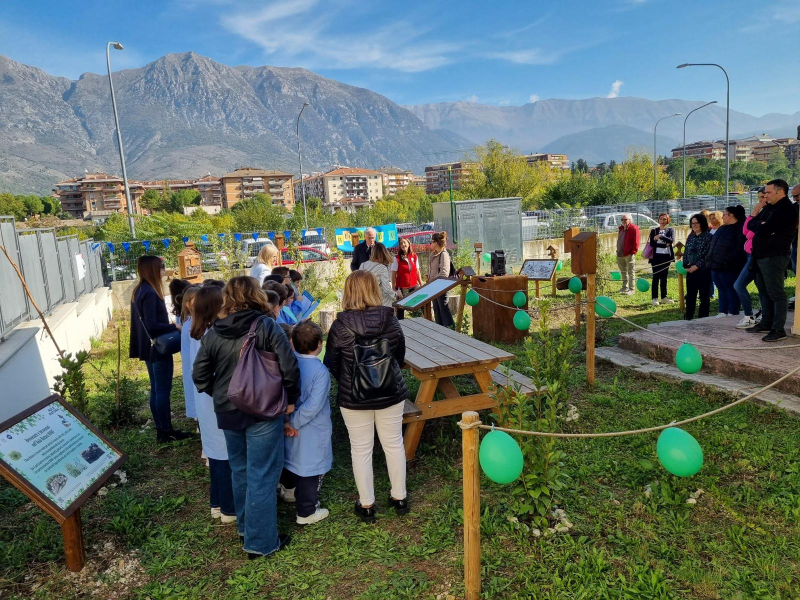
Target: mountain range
{"x":185,"y":115}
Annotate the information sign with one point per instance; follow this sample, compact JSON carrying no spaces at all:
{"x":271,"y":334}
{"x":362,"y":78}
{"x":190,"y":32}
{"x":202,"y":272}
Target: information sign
{"x":427,"y":293}
{"x":539,"y":269}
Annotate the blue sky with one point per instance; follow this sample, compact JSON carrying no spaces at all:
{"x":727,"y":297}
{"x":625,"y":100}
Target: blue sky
{"x":502,"y":52}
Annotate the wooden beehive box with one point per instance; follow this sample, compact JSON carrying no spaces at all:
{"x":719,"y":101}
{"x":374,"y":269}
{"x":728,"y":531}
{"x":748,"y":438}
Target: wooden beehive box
{"x":584,"y":253}
{"x":190,"y":264}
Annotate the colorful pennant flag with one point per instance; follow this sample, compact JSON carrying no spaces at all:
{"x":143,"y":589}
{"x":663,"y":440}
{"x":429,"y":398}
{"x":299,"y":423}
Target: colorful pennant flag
{"x":110,"y":247}
{"x":165,"y":241}
{"x":146,"y":245}
{"x":126,"y":246}
{"x":204,"y":237}
{"x":255,"y":236}
{"x":185,"y":240}
{"x":237,"y":237}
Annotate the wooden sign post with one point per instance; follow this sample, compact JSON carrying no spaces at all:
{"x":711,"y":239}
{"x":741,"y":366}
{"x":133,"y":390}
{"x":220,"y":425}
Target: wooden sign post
{"x":465,"y":276}
{"x":584,"y":262}
{"x":478,"y":256}
{"x":681,"y":295}
{"x":57,"y":458}
{"x":553,"y":252}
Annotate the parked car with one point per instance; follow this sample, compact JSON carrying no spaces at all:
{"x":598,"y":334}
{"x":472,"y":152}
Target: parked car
{"x":611,"y":222}
{"x":420,"y":241}
{"x":318,"y":242}
{"x":252,"y":247}
{"x":684,"y":216}
{"x":307,"y":255}
{"x":671,"y":207}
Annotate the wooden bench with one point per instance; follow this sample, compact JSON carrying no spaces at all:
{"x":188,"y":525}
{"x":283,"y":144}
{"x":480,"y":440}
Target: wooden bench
{"x":525,"y":384}
{"x":411,"y":410}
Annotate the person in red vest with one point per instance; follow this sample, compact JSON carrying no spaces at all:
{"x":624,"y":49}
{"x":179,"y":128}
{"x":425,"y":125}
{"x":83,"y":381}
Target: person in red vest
{"x":627,"y":247}
{"x":406,"y":276}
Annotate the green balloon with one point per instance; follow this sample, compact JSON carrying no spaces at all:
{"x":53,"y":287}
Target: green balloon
{"x":679,"y":267}
{"x":519,"y":299}
{"x":688,"y":359}
{"x":522,"y":320}
{"x":679,"y":453}
{"x":487,"y":257}
{"x":605,"y":306}
{"x":500,"y":457}
{"x":642,"y":285}
{"x":575,"y":285}
{"x":472,"y":297}
{"x":616,"y":276}
{"x":559,"y":265}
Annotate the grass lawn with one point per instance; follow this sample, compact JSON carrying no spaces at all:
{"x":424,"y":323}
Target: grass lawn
{"x":634,"y":534}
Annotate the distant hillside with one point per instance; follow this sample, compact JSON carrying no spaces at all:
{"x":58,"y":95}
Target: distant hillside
{"x":185,"y":115}
{"x":603,"y":144}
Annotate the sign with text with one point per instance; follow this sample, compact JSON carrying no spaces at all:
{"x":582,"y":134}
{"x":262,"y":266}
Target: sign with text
{"x":55,"y":456}
{"x":427,"y":293}
{"x":539,"y":269}
{"x":385,"y":234}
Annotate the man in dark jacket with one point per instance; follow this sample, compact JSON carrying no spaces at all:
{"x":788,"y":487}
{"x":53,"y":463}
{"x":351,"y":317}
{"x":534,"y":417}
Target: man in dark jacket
{"x":362,"y":251}
{"x":774,"y":227}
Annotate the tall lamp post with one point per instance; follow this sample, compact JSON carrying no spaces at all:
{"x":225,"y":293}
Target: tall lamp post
{"x":684,"y":142}
{"x":727,"y":120}
{"x":300,"y":160}
{"x":655,"y":156}
{"x":118,"y":46}
{"x":452,"y":206}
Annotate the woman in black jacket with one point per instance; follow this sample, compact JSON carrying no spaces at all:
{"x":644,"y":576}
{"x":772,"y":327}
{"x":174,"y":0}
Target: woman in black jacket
{"x":149,"y":320}
{"x":364,"y":352}
{"x":661,"y":240}
{"x":255,"y":445}
{"x":726,"y":258}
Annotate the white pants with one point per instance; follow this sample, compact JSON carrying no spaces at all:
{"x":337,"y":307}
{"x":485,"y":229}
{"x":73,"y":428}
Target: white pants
{"x":361,"y":426}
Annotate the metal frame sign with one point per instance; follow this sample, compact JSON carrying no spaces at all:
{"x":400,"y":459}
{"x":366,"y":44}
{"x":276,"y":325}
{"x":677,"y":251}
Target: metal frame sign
{"x":427,"y":293}
{"x":55,"y":456}
{"x":539,"y":269}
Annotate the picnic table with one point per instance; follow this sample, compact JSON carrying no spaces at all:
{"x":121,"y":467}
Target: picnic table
{"x":434,"y":354}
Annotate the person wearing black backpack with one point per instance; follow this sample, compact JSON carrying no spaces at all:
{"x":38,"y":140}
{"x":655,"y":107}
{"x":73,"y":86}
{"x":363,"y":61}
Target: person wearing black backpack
{"x":440,"y":265}
{"x":255,"y":444}
{"x":364,"y":353}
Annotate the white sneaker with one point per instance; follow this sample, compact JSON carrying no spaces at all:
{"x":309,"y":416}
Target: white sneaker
{"x":623,"y":290}
{"x":319,"y":514}
{"x":746,"y":322}
{"x":287,"y":494}
{"x":215,"y":513}
{"x":667,"y":301}
{"x":721,"y":315}
{"x":227,"y":519}
{"x":629,"y":293}
{"x":654,"y":302}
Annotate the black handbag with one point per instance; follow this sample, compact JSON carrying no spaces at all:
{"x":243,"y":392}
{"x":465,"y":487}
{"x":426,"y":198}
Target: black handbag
{"x":165,"y":344}
{"x":373,"y":375}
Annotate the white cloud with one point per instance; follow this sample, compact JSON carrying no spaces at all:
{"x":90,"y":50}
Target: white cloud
{"x":310,"y":37}
{"x":615,"y":88}
{"x":472,"y":98}
{"x":533,"y":98}
{"x":504,"y":103}
{"x":532,"y":56}
{"x":786,"y":13}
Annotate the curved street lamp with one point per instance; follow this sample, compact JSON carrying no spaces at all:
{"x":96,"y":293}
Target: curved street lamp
{"x":118,"y":46}
{"x":300,"y":160}
{"x":727,"y":119}
{"x":684,"y":141}
{"x":655,"y":156}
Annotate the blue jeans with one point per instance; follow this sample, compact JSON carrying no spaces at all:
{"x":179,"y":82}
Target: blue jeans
{"x":256,"y":458}
{"x":160,"y":373}
{"x":746,"y":277}
{"x":728,"y":298}
{"x":221,"y":486}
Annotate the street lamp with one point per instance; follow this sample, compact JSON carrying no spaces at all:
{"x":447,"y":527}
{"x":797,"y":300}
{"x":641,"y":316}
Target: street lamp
{"x":300,"y":160}
{"x":655,"y":156}
{"x":684,"y":142}
{"x":118,"y":46}
{"x":727,"y":120}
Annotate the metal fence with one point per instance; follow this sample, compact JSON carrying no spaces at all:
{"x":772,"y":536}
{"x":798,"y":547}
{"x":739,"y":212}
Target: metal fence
{"x":543,"y":224}
{"x":56,"y":269}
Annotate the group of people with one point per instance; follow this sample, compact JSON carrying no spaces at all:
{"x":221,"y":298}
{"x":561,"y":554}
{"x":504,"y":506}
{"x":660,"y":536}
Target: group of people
{"x":255,"y":461}
{"x":726,"y":250}
{"x":400,"y":275}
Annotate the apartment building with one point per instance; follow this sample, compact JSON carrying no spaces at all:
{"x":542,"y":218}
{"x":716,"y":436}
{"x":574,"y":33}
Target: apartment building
{"x":243,"y":183}
{"x":704,"y":149}
{"x":556,"y":161}
{"x":437,"y":177}
{"x":755,"y":147}
{"x":420,"y":181}
{"x":395,"y":179}
{"x":97,"y":196}
{"x":343,"y":188}
{"x":210,"y":190}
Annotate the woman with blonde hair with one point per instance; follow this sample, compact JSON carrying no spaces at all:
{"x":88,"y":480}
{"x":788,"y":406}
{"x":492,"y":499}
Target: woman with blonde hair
{"x":255,"y":444}
{"x":378,"y":264}
{"x":364,"y":352}
{"x":268,"y":257}
{"x":439,"y":266}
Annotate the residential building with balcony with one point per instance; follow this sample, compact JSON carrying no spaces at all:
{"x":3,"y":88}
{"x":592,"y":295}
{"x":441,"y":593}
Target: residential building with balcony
{"x":437,"y":177}
{"x":245,"y":182}
{"x":395,"y":179}
{"x":556,"y":161}
{"x":704,"y":149}
{"x":343,"y":188}
{"x":210,"y":190}
{"x":420,"y":181}
{"x":97,"y":195}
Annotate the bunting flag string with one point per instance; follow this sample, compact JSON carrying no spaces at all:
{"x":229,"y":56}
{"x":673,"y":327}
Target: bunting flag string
{"x":271,"y":235}
{"x":221,"y":236}
{"x":185,"y":240}
{"x":204,"y":237}
{"x":237,"y":237}
{"x":110,"y":247}
{"x":146,"y":245}
{"x":165,"y":241}
{"x":126,"y":246}
{"x":255,"y":236}
{"x":286,"y":235}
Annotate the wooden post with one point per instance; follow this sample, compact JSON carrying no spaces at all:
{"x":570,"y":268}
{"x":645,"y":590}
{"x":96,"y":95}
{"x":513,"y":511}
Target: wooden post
{"x":478,"y":256}
{"x":427,"y":311}
{"x":73,"y":541}
{"x":326,"y":318}
{"x":590,"y":291}
{"x":681,"y":294}
{"x":553,"y":252}
{"x":472,"y":507}
{"x":538,"y":289}
{"x":577,"y":312}
{"x":461,"y":300}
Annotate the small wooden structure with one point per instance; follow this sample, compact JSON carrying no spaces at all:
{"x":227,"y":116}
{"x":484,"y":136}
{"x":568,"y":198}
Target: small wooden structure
{"x":493,"y":316}
{"x":434,"y":354}
{"x":584,"y":262}
{"x":190,"y":264}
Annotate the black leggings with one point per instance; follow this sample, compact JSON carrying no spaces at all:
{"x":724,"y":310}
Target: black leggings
{"x":698,"y":283}
{"x":660,"y":272}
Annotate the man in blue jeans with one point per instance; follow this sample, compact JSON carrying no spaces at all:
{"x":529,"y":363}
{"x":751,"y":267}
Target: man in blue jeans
{"x":774,"y":226}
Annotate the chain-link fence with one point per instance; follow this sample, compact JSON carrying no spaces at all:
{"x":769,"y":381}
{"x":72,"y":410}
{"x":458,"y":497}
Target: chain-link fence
{"x":543,"y":224}
{"x":56,"y":270}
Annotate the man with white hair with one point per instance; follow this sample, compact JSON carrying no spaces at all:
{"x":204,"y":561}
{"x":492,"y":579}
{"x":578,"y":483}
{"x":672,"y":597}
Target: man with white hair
{"x":627,"y":247}
{"x":361,"y":253}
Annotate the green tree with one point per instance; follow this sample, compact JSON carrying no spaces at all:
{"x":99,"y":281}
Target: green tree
{"x":152,"y":200}
{"x":259,"y":214}
{"x":12,"y":205}
{"x":181,"y":198}
{"x":52,"y":206}
{"x":33,"y":204}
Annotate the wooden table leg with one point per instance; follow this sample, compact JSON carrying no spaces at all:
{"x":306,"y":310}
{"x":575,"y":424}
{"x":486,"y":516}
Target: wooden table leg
{"x":448,"y":388}
{"x":73,"y":541}
{"x":413,"y":432}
